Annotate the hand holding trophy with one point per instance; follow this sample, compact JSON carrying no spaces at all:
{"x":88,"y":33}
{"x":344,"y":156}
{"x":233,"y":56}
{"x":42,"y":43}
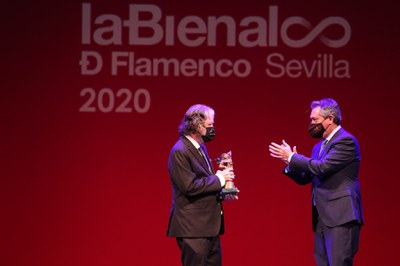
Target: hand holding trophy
{"x":225,"y":162}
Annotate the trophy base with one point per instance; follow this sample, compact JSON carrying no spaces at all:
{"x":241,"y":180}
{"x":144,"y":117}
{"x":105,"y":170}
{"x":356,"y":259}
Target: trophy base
{"x":230,"y":191}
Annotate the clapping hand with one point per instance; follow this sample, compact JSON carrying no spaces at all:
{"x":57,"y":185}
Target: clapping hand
{"x":281,"y":151}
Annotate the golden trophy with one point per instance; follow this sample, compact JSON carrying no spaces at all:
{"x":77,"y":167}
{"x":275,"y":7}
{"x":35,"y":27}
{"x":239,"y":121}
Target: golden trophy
{"x":224,"y":162}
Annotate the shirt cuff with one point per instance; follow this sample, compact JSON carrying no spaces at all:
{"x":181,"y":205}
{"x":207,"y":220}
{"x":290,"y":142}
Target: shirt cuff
{"x":287,"y":169}
{"x":221,"y":179}
{"x":290,"y":157}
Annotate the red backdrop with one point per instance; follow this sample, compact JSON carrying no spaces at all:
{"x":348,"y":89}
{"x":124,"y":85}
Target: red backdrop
{"x":85,"y":137}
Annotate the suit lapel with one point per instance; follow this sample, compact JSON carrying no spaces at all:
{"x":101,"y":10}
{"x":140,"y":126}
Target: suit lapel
{"x":319,"y":153}
{"x":208,"y":159}
{"x":196,"y":154}
{"x":332,"y":140}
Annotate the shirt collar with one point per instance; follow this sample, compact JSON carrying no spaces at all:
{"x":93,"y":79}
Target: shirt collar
{"x":195,"y":143}
{"x":328,"y":138}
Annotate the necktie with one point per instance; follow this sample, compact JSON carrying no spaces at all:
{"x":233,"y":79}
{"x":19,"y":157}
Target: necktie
{"x":203,"y":154}
{"x":323,"y":145}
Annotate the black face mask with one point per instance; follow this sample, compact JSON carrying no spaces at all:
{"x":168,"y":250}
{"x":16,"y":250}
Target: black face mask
{"x":316,"y":130}
{"x":210,"y":134}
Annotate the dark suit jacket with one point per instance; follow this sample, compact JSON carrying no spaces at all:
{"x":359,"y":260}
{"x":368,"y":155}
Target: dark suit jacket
{"x":196,"y":206}
{"x":334,"y":178}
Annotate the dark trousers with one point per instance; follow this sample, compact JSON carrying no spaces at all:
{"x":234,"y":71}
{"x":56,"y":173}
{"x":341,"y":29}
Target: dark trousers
{"x":204,"y":251}
{"x":336,"y":246}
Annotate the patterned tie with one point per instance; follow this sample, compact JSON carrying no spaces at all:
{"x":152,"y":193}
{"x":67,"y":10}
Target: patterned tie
{"x":203,"y":154}
{"x":323,"y":145}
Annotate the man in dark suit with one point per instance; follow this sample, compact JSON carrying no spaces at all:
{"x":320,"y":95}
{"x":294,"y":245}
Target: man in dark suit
{"x":333,"y":171}
{"x":196,"y":216}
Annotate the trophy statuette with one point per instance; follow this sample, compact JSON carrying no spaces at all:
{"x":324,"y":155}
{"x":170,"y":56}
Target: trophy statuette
{"x":225,"y":162}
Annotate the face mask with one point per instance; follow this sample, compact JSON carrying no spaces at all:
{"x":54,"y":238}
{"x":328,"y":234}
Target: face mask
{"x":210,"y":134}
{"x":316,"y":130}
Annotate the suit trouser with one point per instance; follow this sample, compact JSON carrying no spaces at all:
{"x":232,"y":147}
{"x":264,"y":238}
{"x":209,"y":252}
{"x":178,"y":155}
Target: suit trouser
{"x":203,"y":251}
{"x":336,"y":246}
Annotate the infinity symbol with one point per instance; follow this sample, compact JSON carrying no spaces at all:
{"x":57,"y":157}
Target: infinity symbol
{"x":316,"y":32}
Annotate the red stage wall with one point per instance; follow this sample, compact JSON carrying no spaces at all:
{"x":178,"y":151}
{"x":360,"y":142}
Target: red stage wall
{"x":89,"y":114}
